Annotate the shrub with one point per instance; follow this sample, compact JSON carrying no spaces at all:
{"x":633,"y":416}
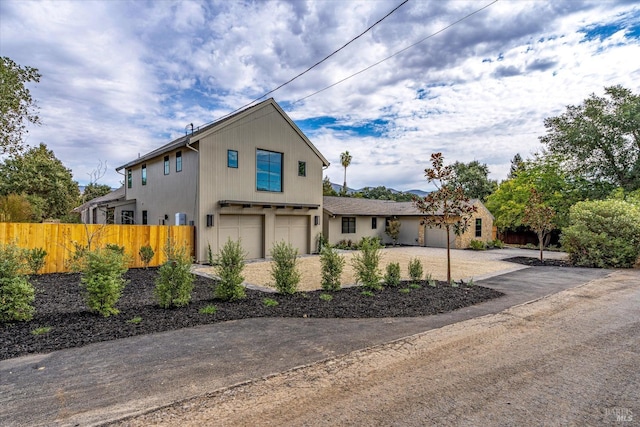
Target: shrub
{"x":322,"y":242}
{"x":209,"y":309}
{"x":268,"y":302}
{"x":366,"y":264}
{"x":283,"y":269}
{"x":116,"y":248}
{"x":431,"y":281}
{"x":497,"y":243}
{"x":146,"y":255}
{"x":16,"y":293}
{"x":102,"y":279}
{"x":392,"y":276}
{"x":477,"y":245}
{"x":229,"y":264}
{"x":326,"y":297}
{"x":603,"y":233}
{"x":415,"y":270}
{"x":35,"y":259}
{"x":367,"y":293}
{"x":41,"y":330}
{"x":175,"y":281}
{"x":332,"y":265}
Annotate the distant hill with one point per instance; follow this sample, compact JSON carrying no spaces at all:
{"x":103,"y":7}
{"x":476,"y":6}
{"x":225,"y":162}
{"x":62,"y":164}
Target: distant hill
{"x":338,"y":188}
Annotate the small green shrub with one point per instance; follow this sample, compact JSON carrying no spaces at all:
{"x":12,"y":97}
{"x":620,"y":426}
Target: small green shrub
{"x":116,"y":248}
{"x":326,"y":297}
{"x":497,"y":243}
{"x":35,"y":259}
{"x":603,"y":233}
{"x":16,"y":293}
{"x":210,"y":309}
{"x":404,"y":290}
{"x":431,"y":281}
{"x":268,"y":302}
{"x":415,"y":270}
{"x":135,"y":320}
{"x":174,"y":283}
{"x":322,"y":242}
{"x":453,"y":283}
{"x":471,"y":283}
{"x":367,"y":293}
{"x":77,"y":260}
{"x":332,"y":265}
{"x":477,"y":245}
{"x":102,"y":279}
{"x":366,"y":264}
{"x":414,"y":286}
{"x":41,"y":331}
{"x":283,"y":269}
{"x":146,"y":255}
{"x":229,"y":264}
{"x":392,"y":276}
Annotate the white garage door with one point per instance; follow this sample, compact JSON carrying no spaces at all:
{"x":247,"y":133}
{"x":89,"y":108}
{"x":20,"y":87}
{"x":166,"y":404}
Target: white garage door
{"x":294,"y":230}
{"x":437,"y":238}
{"x":247,"y":228}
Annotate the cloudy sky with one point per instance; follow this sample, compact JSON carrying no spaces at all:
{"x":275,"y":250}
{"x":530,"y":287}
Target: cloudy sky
{"x":124,"y":77}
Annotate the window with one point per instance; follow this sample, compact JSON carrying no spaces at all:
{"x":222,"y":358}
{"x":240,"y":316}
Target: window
{"x":144,"y":174}
{"x":268,"y":171}
{"x":302,"y":168}
{"x":478,"y":227}
{"x":348,"y":225}
{"x":167,"y":167}
{"x":145,"y":218}
{"x":126,"y":217}
{"x":374,"y":223}
{"x":129,"y":178}
{"x":232,"y":158}
{"x":179,"y":161}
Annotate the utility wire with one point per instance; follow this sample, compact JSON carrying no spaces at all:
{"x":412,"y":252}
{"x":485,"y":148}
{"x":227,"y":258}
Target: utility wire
{"x":322,"y":60}
{"x":396,"y":53}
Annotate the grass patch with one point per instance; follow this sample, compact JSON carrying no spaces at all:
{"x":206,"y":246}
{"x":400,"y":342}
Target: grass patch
{"x":367,"y":293}
{"x":268,"y":302}
{"x":210,"y":309}
{"x":326,"y":297}
{"x":41,"y":331}
{"x":404,"y":290}
{"x":415,"y":286}
{"x":135,"y":320}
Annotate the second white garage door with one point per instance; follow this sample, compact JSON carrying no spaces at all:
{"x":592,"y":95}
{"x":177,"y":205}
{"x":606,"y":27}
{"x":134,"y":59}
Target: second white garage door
{"x":248,"y":228}
{"x":294,"y":230}
{"x":437,"y":238}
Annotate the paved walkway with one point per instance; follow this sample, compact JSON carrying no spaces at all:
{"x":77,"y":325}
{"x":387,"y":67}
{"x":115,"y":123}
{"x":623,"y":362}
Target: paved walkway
{"x":106,"y":381}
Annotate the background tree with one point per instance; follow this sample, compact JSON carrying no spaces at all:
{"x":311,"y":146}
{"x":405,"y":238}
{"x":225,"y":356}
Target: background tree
{"x":539,"y":217}
{"x":42,"y":179}
{"x":345,"y":160}
{"x":473,"y":177}
{"x":94,"y":190}
{"x":17,"y":108}
{"x":516,"y":165}
{"x":383,"y":193}
{"x":600,"y":138}
{"x":447,"y":207}
{"x":15,"y":208}
{"x":327,"y":188}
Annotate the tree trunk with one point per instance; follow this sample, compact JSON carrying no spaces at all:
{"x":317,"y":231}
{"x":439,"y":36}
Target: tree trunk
{"x":448,"y":258}
{"x":541,"y":240}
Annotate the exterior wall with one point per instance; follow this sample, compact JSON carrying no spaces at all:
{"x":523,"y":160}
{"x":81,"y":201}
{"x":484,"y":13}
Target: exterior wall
{"x":164,"y":195}
{"x":265,"y":129}
{"x":334,"y":232}
{"x":409,"y":230}
{"x":463,"y":241}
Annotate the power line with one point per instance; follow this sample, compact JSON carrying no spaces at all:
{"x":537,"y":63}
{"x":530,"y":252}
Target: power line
{"x":397,"y":53}
{"x":324,"y":59}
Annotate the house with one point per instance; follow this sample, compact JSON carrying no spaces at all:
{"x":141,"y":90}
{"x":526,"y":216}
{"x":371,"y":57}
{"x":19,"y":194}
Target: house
{"x":101,"y":210}
{"x":252,"y":176}
{"x":350,"y":218}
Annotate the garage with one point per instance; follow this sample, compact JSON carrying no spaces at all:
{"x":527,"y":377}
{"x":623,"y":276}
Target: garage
{"x":295,"y":230}
{"x":437,"y":238}
{"x":248,"y":228}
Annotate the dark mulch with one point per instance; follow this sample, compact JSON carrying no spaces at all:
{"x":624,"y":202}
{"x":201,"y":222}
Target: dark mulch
{"x":59,"y":305}
{"x":535,"y":262}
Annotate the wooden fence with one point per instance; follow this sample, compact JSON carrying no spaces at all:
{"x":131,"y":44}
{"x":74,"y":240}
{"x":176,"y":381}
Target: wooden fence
{"x":59,"y":240}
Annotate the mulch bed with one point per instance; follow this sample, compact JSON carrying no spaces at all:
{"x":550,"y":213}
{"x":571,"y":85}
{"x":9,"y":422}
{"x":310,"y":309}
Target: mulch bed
{"x":60,"y":305}
{"x":535,"y":262}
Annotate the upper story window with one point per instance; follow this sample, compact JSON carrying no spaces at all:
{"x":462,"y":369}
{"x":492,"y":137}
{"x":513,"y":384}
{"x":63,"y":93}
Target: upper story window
{"x":268,"y":171}
{"x":179,"y":161}
{"x":302,"y":168}
{"x":129,"y":178}
{"x":144,"y":174}
{"x":232,"y":158}
{"x":478,"y":227}
{"x":348,"y":224}
{"x":167,"y":167}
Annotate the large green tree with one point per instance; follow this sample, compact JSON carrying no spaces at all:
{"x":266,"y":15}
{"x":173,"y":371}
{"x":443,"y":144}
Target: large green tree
{"x":473,"y":177}
{"x":600,"y":139}
{"x":17,"y":107}
{"x":43,"y":179}
{"x":383,"y":193}
{"x":94,"y":190}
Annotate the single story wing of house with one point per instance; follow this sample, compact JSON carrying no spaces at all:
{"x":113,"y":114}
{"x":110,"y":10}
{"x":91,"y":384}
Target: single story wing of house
{"x":350,"y":219}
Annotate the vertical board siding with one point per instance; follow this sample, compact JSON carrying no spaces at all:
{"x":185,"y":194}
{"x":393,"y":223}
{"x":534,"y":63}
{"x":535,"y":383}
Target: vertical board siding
{"x":59,"y":240}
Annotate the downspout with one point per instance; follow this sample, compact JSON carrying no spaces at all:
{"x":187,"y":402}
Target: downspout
{"x":196,"y":201}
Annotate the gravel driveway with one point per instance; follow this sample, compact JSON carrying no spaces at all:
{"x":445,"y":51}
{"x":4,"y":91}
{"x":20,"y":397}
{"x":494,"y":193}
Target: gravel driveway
{"x":465,"y":264}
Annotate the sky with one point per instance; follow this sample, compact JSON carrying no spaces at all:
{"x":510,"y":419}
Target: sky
{"x":121,"y":78}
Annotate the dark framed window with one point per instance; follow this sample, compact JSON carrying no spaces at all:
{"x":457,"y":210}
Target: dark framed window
{"x":478,"y":227}
{"x":179,"y":161}
{"x":126,"y":217}
{"x":232,"y":158}
{"x":145,"y":218}
{"x":129,"y":178}
{"x":348,"y":225}
{"x":144,"y":174}
{"x":167,"y":166}
{"x":302,"y":168}
{"x":268,"y":171}
{"x":374,"y":223}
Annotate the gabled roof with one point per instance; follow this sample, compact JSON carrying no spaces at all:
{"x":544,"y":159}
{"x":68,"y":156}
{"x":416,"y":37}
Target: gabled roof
{"x":371,"y":207}
{"x":214,"y":126}
{"x":109,"y":197}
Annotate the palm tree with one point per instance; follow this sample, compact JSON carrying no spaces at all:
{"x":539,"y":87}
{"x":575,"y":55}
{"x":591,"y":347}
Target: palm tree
{"x":345,"y":159}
